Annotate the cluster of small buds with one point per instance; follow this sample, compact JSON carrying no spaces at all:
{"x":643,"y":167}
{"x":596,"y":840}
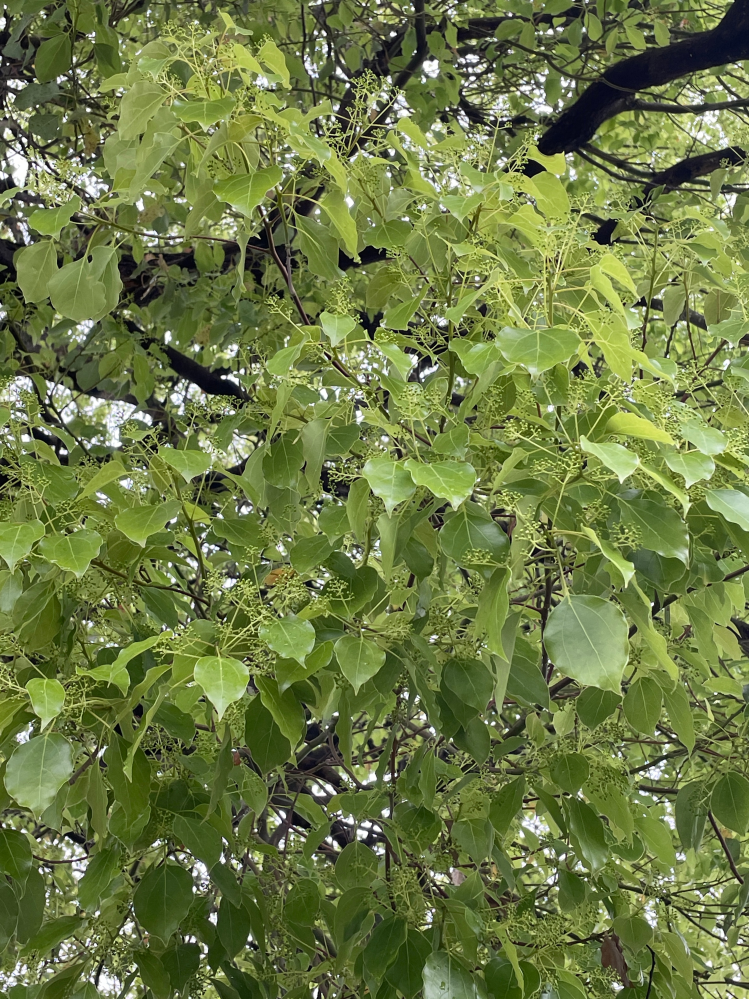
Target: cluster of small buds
{"x":412,"y":402}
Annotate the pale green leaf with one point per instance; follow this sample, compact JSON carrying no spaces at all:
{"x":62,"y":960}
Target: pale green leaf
{"x":37,"y":770}
{"x":188,"y":463}
{"x":692,"y":465}
{"x":223,"y":679}
{"x":49,"y":221}
{"x":630,"y":425}
{"x":586,"y":638}
{"x":450,"y":480}
{"x":290,"y":637}
{"x":141,"y":102}
{"x":72,"y":552}
{"x":390,"y":480}
{"x":245,"y":191}
{"x":445,"y":978}
{"x":140,"y":522}
{"x":359,"y":658}
{"x":621,"y":461}
{"x":731,"y":504}
{"x":537,"y":350}
{"x":730,"y":801}
{"x":336,"y":328}
{"x":47,"y":698}
{"x":17,"y":540}
{"x":36,"y":266}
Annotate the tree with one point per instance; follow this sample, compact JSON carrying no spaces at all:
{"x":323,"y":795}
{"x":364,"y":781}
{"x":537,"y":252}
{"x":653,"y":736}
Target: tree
{"x":375,"y":507}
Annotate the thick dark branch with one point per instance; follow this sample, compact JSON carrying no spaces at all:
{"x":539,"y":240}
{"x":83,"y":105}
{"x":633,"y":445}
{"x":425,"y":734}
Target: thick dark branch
{"x":671,"y":108}
{"x":684,"y":172}
{"x":485,"y":27}
{"x":614,"y":92}
{"x":693,"y":167}
{"x":695,"y":318}
{"x":211,"y":382}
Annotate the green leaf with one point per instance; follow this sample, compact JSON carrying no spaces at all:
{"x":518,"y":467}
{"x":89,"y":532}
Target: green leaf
{"x":594,"y":706}
{"x":405,"y":974}
{"x":290,"y":637}
{"x":53,"y":58}
{"x":162,"y":899}
{"x":270,"y":56}
{"x":474,"y":836}
{"x":397,"y":317}
{"x":189,"y":464}
{"x":616,"y":269}
{"x":505,"y":805}
{"x":269,"y":747}
{"x":445,"y":978}
{"x":37,"y":770}
{"x":629,"y":425}
{"x":621,"y":461}
{"x":17,"y":540}
{"x":625,"y":567}
{"x":36,"y":266}
{"x":389,"y":480}
{"x":469,"y":532}
{"x":233,"y":927}
{"x":359,"y":658}
{"x":492,"y":610}
{"x":336,"y":328}
{"x":692,"y":465}
{"x":244,"y":192}
{"x":570,"y":771}
{"x":634,"y":932}
{"x":200,"y":838}
{"x":140,"y":522}
{"x":730,"y":801}
{"x":47,"y":698}
{"x":152,"y":974}
{"x":586,"y":638}
{"x":588,"y":835}
{"x":283,"y":461}
{"x":110,"y":472}
{"x":75,"y":293}
{"x":551,"y":197}
{"x":309,"y":552}
{"x":72,"y":552}
{"x":450,"y":480}
{"x":537,"y":350}
{"x":387,"y":939}
{"x":141,"y":102}
{"x":680,"y":712}
{"x":223,"y":679}
{"x":356,"y":866}
{"x":642,"y":705}
{"x":730,"y":504}
{"x":287,"y":712}
{"x":51,"y":935}
{"x":50,"y":221}
{"x":303,"y":902}
{"x":526,"y":682}
{"x":690,"y":813}
{"x":100,"y":871}
{"x":706,"y":439}
{"x":659,"y":528}
{"x":15,"y":854}
{"x":206,"y":113}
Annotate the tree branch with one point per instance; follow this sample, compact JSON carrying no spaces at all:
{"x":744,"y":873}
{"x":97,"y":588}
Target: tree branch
{"x":614,"y":92}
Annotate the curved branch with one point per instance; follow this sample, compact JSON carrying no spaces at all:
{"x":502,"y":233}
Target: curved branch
{"x":614,"y":92}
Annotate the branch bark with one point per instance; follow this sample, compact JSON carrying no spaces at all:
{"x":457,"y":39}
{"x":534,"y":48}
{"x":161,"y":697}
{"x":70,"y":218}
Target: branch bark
{"x":614,"y":92}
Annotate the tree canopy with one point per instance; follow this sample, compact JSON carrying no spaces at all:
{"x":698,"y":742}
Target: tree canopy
{"x":374,"y":491}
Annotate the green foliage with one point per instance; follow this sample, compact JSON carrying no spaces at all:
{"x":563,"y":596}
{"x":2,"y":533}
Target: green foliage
{"x":374,"y":505}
